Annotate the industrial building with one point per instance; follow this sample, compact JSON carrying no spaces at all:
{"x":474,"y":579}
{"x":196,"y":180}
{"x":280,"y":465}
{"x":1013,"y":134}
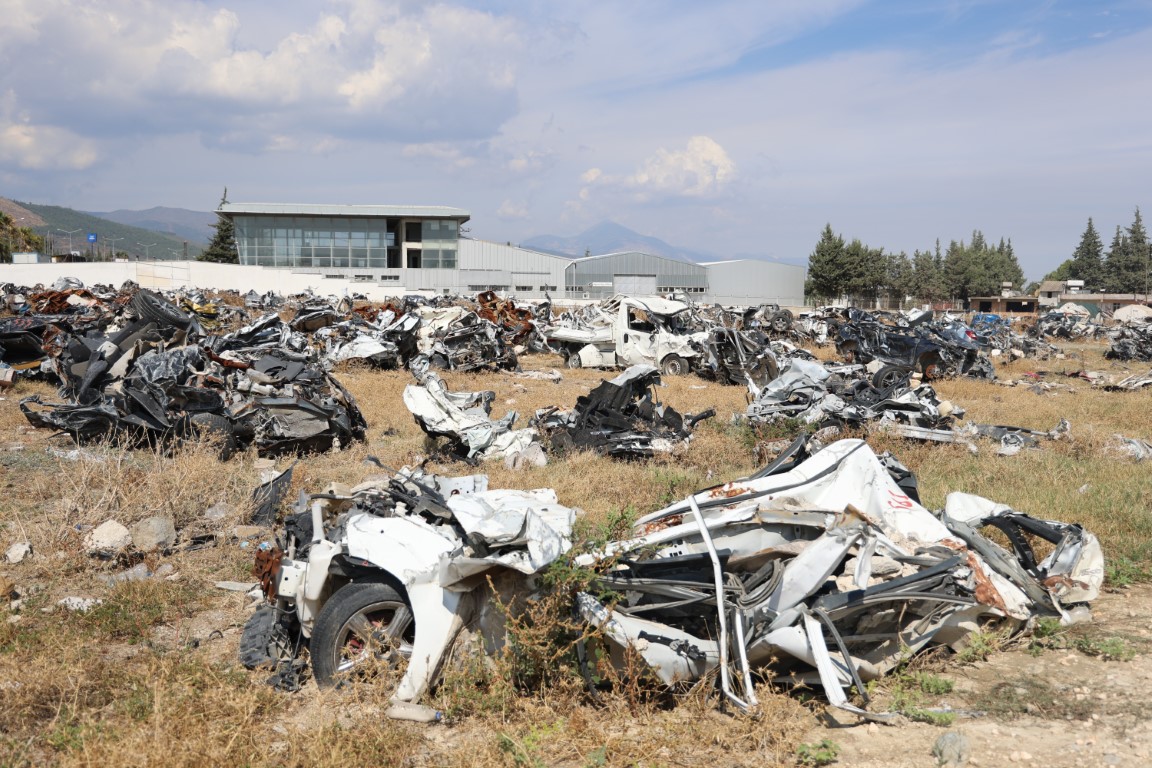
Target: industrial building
{"x":411,"y":248}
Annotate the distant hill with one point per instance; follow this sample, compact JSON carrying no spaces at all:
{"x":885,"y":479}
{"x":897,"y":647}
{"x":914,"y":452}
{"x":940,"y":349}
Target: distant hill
{"x":193,"y":226}
{"x":136,"y":241}
{"x":610,"y":237}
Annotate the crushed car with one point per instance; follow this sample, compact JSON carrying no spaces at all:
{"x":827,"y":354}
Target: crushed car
{"x":936,"y":348}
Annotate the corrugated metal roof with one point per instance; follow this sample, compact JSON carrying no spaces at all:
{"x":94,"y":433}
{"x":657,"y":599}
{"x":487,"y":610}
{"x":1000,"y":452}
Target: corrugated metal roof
{"x":308,"y":209}
{"x":583,"y":259}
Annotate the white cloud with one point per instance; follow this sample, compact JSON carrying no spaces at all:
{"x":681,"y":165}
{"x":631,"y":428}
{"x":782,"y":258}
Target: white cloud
{"x":448,"y":154}
{"x":29,"y":146}
{"x":511,"y":210}
{"x":701,"y":170}
{"x":385,"y":70}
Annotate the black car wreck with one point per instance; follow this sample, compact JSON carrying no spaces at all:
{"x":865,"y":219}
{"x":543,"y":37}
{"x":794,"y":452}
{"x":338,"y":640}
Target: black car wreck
{"x":936,"y":349}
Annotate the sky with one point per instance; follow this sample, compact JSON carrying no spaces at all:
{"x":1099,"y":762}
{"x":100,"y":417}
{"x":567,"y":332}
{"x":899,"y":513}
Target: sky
{"x":733,"y":127}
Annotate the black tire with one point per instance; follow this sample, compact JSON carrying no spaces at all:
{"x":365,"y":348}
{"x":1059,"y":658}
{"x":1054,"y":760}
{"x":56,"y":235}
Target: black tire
{"x":153,"y":306}
{"x":674,"y":365}
{"x":889,"y":376}
{"x":215,"y":426}
{"x":358,"y":616}
{"x":439,"y":361}
{"x":266,"y":640}
{"x":781,"y":322}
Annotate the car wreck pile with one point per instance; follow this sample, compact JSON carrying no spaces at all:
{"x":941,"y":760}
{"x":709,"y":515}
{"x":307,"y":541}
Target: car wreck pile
{"x":621,"y":418}
{"x":151,"y":375}
{"x":821,"y":568}
{"x":912,"y":342}
{"x":1131,"y":341}
{"x":845,"y":396}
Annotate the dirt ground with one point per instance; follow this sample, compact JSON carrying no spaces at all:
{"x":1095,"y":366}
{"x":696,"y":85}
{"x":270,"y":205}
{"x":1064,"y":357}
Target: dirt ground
{"x":1052,"y":707}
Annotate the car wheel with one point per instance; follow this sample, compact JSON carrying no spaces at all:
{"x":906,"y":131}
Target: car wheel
{"x":674,"y":365}
{"x":889,"y":376}
{"x":361,"y":621}
{"x":781,"y":322}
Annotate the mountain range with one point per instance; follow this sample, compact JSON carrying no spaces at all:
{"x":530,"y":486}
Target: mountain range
{"x":193,"y":226}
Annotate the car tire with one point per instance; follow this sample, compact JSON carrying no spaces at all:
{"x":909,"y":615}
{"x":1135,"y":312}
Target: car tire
{"x":154,"y":307}
{"x":356,"y":617}
{"x":266,"y":640}
{"x":890,"y":375}
{"x":215,"y":426}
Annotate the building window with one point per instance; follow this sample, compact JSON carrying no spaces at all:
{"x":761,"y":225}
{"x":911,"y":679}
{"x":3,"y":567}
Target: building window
{"x":389,"y":278}
{"x":412,"y":230}
{"x":523,"y":288}
{"x":413,"y":258}
{"x":547,"y":287}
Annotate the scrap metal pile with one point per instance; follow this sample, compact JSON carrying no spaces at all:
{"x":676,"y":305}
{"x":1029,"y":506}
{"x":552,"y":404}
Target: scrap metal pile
{"x":996,"y":335}
{"x":456,"y":333}
{"x":621,"y":417}
{"x":729,"y":345}
{"x":822,"y":568}
{"x":1072,"y":322}
{"x":1131,"y":341}
{"x":844,"y":396}
{"x":912,"y":342}
{"x":150,"y":375}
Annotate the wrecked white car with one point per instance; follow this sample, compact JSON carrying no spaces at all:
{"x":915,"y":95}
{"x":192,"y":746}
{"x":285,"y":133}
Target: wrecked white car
{"x":632,"y":331}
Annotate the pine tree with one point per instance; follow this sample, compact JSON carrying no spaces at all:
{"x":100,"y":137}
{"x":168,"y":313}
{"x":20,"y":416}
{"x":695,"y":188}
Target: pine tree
{"x":223,"y":248}
{"x":827,"y":273}
{"x":1087,"y":262}
{"x":1140,"y":253}
{"x":928,"y":281}
{"x":1126,"y":267}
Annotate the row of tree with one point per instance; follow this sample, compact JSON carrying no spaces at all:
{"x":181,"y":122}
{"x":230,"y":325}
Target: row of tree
{"x":975,"y":268}
{"x":1125,"y":268}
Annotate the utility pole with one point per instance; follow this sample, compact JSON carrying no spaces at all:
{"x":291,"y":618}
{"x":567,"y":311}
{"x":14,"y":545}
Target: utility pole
{"x":146,"y":246}
{"x":112,"y":245}
{"x":69,"y":232}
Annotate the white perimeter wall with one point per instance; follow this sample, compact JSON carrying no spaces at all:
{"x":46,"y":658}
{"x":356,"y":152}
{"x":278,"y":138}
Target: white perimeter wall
{"x":193,"y":274}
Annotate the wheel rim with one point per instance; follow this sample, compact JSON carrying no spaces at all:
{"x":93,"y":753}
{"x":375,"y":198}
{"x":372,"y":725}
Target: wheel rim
{"x":384,"y":630}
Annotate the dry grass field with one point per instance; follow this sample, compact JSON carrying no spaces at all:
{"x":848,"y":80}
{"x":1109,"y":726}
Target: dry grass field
{"x":150,"y":676}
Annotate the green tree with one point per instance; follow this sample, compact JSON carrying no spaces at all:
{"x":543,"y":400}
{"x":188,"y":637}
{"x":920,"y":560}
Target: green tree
{"x":927,"y":277}
{"x":978,"y":269}
{"x":1087,"y":262}
{"x":1066,"y":271}
{"x":1141,"y":253}
{"x":866,"y":270}
{"x":901,"y":279}
{"x":1126,"y":267}
{"x":223,"y":248}
{"x":828,"y":273}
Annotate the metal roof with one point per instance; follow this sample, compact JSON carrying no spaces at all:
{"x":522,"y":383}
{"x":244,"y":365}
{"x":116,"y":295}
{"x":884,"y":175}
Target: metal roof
{"x":306,"y":209}
{"x":583,"y":259}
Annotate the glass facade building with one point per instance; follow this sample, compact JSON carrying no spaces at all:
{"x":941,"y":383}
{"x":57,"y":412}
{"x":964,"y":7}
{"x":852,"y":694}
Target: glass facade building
{"x":347,"y":237}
